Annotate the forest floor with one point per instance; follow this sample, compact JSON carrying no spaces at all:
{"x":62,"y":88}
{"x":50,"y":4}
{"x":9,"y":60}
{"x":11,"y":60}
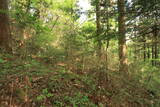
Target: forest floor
{"x":29,"y":83}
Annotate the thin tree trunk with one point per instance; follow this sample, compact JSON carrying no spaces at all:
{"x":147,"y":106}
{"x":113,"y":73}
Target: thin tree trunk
{"x":108,"y":28}
{"x":107,"y":46}
{"x":135,"y":52}
{"x":148,"y":53}
{"x":122,"y":38}
{"x":155,"y":53}
{"x":144,"y":51}
{"x":98,"y":26}
{"x":153,"y":60}
{"x":155,"y":44}
{"x":4,"y":25}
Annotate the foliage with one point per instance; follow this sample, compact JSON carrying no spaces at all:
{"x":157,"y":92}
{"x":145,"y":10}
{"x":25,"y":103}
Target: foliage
{"x":45,"y":94}
{"x":54,"y":59}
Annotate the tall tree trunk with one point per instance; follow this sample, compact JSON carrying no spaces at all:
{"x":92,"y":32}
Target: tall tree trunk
{"x":108,"y":28}
{"x":153,"y":60}
{"x":98,"y":26}
{"x":122,"y":38}
{"x":4,"y":25}
{"x":144,"y":51}
{"x":155,"y":44}
{"x":148,"y":52}
{"x":156,"y":52}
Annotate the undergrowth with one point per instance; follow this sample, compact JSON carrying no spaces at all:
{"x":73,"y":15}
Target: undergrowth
{"x":31,"y":83}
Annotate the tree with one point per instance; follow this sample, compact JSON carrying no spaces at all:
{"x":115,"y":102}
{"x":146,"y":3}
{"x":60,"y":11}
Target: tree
{"x":122,"y":37}
{"x":143,"y":19}
{"x":98,"y":26}
{"x":4,"y":25}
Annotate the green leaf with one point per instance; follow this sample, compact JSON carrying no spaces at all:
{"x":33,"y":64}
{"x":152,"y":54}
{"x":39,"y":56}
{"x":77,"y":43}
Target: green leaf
{"x":2,"y":61}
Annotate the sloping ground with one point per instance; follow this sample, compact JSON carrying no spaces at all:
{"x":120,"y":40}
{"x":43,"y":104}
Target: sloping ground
{"x":53,"y":89}
{"x":31,"y":84}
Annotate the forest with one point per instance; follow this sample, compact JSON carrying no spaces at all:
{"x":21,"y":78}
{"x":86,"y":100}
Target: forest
{"x":79,"y":53}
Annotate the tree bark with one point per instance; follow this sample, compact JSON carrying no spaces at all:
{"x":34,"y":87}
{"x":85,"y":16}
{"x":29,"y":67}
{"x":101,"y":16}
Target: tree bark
{"x":153,"y":60}
{"x":148,"y":52}
{"x":98,"y":28}
{"x":155,"y":44}
{"x":122,"y":38}
{"x":144,"y":51}
{"x":108,"y":28}
{"x":4,"y":25}
{"x":156,"y":53}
